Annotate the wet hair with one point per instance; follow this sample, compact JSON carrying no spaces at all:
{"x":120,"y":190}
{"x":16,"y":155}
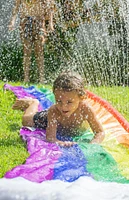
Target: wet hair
{"x":69,"y":81}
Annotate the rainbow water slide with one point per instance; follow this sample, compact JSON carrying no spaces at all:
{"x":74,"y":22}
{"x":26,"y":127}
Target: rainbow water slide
{"x":108,"y":161}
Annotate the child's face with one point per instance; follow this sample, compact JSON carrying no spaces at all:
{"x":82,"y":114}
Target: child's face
{"x":67,"y":102}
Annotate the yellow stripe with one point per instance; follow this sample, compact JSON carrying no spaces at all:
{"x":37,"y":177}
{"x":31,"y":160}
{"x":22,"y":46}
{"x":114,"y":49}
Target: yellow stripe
{"x":120,"y":154}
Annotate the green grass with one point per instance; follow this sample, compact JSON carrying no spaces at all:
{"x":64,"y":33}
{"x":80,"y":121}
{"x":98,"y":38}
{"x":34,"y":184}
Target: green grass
{"x":118,"y":97}
{"x":12,"y":149}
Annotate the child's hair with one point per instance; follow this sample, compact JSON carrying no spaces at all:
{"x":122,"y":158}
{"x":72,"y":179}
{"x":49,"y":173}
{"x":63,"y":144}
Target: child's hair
{"x":69,"y":81}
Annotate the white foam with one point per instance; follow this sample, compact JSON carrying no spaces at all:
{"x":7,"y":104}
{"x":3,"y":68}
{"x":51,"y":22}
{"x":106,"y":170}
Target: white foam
{"x":84,"y":188}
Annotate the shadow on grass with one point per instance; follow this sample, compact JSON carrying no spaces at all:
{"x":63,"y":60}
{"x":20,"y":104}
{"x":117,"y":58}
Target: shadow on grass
{"x":14,"y":127}
{"x":12,"y":142}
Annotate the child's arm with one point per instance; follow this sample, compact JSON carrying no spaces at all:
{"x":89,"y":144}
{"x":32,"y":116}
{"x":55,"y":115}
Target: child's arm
{"x":95,"y":126}
{"x":52,"y":128}
{"x":14,"y":14}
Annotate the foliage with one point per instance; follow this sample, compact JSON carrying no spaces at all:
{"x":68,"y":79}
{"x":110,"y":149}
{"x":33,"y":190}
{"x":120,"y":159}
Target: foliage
{"x":100,"y":64}
{"x":11,"y":61}
{"x":115,"y":12}
{"x":57,"y":50}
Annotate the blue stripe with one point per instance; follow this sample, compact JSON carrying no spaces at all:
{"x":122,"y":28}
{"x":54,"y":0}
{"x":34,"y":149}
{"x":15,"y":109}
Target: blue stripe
{"x":44,"y":101}
{"x":71,"y":165}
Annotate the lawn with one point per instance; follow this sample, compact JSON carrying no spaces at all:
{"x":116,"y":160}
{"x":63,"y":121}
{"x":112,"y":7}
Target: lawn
{"x":12,"y":149}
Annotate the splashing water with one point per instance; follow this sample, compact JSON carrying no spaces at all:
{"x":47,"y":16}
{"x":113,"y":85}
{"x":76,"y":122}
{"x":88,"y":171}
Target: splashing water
{"x":83,"y":188}
{"x":99,"y":51}
{"x":98,"y":48}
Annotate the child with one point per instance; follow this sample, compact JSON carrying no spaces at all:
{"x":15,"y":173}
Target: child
{"x":67,"y":115}
{"x":34,"y":16}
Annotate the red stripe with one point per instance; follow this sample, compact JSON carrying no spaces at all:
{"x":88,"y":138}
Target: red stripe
{"x":124,"y":123}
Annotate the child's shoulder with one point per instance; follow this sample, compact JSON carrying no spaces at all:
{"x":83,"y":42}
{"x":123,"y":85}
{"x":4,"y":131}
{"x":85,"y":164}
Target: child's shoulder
{"x":85,"y":106}
{"x":53,"y":109}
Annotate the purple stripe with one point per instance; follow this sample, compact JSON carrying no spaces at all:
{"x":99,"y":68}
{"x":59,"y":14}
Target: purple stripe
{"x":20,"y":93}
{"x":40,"y":164}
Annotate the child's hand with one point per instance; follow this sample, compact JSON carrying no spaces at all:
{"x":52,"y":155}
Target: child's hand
{"x":11,"y":27}
{"x":43,"y":39}
{"x":43,"y":35}
{"x":98,"y":138}
{"x":65,"y":143}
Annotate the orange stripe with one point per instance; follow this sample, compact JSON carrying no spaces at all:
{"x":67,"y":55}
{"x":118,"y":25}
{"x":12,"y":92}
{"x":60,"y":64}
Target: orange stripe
{"x":124,"y":123}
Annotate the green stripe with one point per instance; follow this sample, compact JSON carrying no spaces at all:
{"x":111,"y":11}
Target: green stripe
{"x":100,"y":164}
{"x":49,"y":94}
